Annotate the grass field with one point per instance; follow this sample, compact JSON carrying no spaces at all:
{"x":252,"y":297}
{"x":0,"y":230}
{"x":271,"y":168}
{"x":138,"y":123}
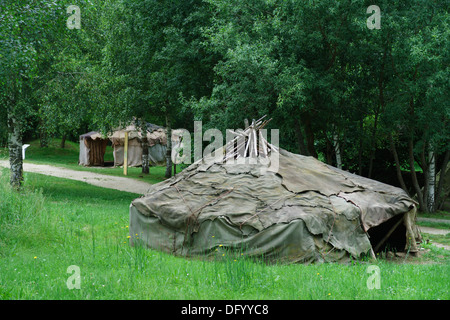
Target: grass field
{"x":55,"y":223}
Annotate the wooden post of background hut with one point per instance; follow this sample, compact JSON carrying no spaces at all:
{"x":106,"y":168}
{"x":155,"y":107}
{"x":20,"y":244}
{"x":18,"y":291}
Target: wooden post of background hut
{"x":125,"y":154}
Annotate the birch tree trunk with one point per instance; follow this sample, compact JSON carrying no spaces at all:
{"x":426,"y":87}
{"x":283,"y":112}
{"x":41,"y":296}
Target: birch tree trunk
{"x":169,"y":149}
{"x":337,"y":150}
{"x":15,"y":151}
{"x":431,"y":181}
{"x":424,"y":165}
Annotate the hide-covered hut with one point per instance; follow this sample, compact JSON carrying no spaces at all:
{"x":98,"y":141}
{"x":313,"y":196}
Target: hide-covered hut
{"x":156,"y":137}
{"x":92,"y":149}
{"x":301,"y":210}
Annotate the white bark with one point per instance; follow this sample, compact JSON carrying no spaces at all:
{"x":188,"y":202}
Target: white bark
{"x":431,"y":179}
{"x":15,"y":152}
{"x":169,"y":149}
{"x":337,"y":150}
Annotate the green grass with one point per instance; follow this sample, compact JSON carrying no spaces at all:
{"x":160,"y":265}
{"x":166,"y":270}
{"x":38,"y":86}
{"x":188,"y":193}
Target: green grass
{"x":437,"y":225}
{"x":444,"y":215}
{"x":56,"y":223}
{"x":438,"y":238}
{"x":441,"y":215}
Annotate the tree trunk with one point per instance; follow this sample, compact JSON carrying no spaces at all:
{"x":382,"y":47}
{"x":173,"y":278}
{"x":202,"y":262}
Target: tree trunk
{"x":440,"y":197}
{"x":337,"y":150}
{"x":15,"y":151}
{"x":329,"y":151}
{"x":431,"y":181}
{"x":413,"y":174}
{"x":424,"y":166}
{"x":145,"y":158}
{"x":374,"y":144}
{"x":379,"y":110}
{"x":361,"y":134}
{"x":306,"y":119}
{"x":397,"y":165}
{"x":300,"y":138}
{"x":43,"y":137}
{"x":169,"y":149}
{"x":63,"y":141}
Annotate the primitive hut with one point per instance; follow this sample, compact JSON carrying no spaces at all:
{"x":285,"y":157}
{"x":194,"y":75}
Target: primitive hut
{"x":92,"y":149}
{"x":302,"y":210}
{"x":156,"y":137}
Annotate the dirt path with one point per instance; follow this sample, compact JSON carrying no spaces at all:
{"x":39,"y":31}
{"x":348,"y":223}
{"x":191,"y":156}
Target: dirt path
{"x":433,"y":230}
{"x":96,"y":179}
{"x":430,"y":230}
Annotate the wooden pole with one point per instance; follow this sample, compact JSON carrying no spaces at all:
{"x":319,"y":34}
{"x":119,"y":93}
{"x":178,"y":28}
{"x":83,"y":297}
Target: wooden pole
{"x":125,"y":155}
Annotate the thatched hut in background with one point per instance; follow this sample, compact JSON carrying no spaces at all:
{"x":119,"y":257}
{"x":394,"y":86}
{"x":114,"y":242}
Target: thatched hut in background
{"x":92,"y":149}
{"x":156,"y":141}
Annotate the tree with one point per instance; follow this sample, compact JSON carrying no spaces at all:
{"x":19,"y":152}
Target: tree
{"x":26,"y":26}
{"x":417,"y":111}
{"x":288,"y":59}
{"x":157,"y":60}
{"x":68,"y":90}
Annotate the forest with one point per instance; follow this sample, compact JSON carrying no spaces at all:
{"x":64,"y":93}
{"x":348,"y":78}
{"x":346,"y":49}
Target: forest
{"x":364,"y":90}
